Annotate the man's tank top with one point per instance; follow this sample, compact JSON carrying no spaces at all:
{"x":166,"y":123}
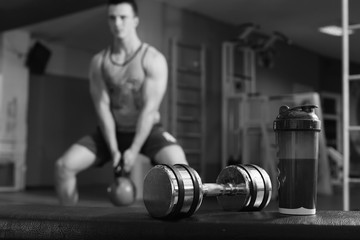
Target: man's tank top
{"x":124,"y":83}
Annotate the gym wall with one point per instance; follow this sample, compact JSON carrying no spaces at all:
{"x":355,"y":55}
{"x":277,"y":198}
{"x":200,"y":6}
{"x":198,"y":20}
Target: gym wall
{"x":159,"y":23}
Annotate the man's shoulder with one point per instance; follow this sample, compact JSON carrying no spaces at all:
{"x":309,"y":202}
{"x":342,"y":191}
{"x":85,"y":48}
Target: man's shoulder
{"x":99,"y":54}
{"x":148,"y":47}
{"x":152,"y":53}
{"x":98,"y":57}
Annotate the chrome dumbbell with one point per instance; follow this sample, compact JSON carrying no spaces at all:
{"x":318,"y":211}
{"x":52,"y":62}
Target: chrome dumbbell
{"x":177,"y":191}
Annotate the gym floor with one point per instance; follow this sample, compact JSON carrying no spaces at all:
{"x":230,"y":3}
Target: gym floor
{"x":95,"y":196}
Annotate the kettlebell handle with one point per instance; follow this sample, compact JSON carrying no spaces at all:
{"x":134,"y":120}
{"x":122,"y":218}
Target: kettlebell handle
{"x":119,"y":170}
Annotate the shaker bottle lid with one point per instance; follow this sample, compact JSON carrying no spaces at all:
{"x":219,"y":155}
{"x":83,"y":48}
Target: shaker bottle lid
{"x":297,"y":118}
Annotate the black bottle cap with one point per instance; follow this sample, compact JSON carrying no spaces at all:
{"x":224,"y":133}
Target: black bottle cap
{"x":300,"y":118}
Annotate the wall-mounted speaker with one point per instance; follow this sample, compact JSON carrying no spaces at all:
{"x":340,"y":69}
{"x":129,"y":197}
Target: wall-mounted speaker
{"x":37,"y":58}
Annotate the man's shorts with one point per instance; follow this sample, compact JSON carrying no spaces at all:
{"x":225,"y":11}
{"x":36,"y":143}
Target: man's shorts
{"x":157,"y":139}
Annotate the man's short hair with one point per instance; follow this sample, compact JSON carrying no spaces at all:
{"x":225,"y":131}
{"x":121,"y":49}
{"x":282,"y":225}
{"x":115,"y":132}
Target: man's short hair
{"x":132,"y":3}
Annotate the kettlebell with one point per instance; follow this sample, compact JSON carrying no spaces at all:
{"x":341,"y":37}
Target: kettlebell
{"x":122,"y":191}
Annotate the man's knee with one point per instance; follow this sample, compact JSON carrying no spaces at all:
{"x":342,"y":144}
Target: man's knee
{"x":62,"y":169}
{"x":75,"y":160}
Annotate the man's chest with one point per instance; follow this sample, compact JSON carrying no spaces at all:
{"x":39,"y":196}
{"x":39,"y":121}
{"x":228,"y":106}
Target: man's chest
{"x":123,"y":78}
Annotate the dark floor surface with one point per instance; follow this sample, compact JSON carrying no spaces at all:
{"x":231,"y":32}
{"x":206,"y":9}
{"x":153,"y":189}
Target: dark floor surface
{"x":36,"y":214}
{"x":96,"y":196}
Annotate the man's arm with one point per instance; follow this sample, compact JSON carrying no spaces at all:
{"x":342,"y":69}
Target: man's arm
{"x":101,"y":102}
{"x":153,"y":92}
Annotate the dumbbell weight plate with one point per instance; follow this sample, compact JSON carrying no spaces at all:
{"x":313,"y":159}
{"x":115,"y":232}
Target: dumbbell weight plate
{"x":160,"y":200}
{"x":236,"y":176}
{"x":172,"y":191}
{"x":196,"y":186}
{"x":257,"y":183}
{"x":263,"y":182}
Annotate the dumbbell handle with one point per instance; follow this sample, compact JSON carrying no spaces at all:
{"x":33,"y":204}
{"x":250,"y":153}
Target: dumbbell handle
{"x":215,"y":190}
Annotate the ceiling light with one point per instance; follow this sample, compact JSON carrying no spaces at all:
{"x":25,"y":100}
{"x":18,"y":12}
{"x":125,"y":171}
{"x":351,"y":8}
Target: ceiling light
{"x":334,"y":30}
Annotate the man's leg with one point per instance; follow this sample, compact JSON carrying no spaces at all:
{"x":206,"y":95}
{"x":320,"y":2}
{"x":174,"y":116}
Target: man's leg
{"x":76,"y":159}
{"x":172,"y":154}
{"x":162,"y":148}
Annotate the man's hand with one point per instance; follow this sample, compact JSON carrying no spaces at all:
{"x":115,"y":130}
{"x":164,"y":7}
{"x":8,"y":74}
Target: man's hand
{"x":129,"y":159}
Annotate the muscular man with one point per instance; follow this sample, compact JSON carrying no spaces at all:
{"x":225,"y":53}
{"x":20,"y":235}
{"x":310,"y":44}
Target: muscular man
{"x":127,"y":84}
